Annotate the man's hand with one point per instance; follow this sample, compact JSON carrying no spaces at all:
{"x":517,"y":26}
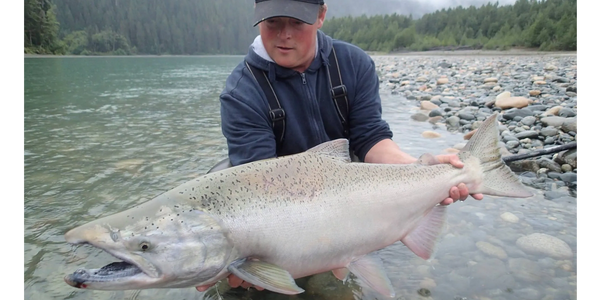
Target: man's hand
{"x":234,"y":282}
{"x":459,"y":192}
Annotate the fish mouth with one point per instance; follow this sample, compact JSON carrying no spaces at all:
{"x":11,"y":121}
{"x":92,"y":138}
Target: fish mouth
{"x":82,"y":278}
{"x":120,"y":275}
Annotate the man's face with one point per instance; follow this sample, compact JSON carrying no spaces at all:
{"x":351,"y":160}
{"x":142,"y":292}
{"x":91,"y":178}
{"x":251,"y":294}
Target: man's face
{"x":290,"y":42}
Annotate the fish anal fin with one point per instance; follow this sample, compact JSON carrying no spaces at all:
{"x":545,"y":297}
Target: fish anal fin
{"x":423,"y":238}
{"x":371,"y":274}
{"x":265,"y":275}
{"x":341,"y":273}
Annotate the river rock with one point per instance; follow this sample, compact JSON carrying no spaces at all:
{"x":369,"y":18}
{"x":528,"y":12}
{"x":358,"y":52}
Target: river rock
{"x":549,"y":164}
{"x":421,"y":117}
{"x":514,"y":113}
{"x":491,"y":250}
{"x":553,"y":121}
{"x":525,"y":269}
{"x":527,"y":134}
{"x":430,"y":134}
{"x":427,"y":105}
{"x":570,"y":124}
{"x":488,"y":273}
{"x":566,"y":112}
{"x":435,"y":113}
{"x":528,"y":120}
{"x":453,"y":121}
{"x":553,"y":111}
{"x":549,"y":131}
{"x":544,"y":244}
{"x":509,"y":217}
{"x":567,"y":157}
{"x":503,"y":95}
{"x":513,"y":102}
{"x":469,"y":134}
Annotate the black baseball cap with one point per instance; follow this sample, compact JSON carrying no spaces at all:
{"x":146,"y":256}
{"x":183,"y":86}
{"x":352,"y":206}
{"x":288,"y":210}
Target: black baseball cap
{"x":303,"y":10}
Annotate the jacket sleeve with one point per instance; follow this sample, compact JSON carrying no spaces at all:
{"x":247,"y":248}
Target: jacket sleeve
{"x":367,"y":128}
{"x":244,"y":120}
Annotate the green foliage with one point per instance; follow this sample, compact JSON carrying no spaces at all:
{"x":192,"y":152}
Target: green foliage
{"x":41,"y":28}
{"x":545,"y":25}
{"x":76,"y":42}
{"x":158,"y":26}
{"x":405,"y":38}
{"x":124,"y":27}
{"x":110,"y":42}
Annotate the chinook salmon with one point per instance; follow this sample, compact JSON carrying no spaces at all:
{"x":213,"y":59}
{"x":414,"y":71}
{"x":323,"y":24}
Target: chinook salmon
{"x":271,"y":221}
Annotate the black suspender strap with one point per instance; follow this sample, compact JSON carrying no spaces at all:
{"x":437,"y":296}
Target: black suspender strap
{"x":276,"y":113}
{"x":338,"y":91}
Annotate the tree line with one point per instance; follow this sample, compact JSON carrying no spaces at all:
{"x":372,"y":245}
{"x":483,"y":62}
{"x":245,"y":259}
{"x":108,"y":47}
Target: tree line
{"x":543,"y":25}
{"x":156,"y":27}
{"x":188,"y":27}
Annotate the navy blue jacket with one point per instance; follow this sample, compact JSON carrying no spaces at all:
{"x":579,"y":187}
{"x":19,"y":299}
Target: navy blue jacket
{"x":311,"y":116}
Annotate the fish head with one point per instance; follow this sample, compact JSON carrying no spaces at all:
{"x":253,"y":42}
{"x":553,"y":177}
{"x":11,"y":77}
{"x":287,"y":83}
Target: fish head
{"x":159,"y":247}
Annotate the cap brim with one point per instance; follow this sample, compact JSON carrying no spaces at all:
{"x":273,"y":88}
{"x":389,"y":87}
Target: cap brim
{"x":305,"y":12}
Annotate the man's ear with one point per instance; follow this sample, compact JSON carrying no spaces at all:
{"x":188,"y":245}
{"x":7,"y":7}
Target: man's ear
{"x":321,"y":17}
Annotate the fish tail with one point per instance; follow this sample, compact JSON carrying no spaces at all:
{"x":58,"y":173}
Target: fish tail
{"x":498,"y":179}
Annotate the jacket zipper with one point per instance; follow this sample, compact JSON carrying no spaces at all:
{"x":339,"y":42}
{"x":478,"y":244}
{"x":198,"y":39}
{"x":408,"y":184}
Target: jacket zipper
{"x":313,"y":108}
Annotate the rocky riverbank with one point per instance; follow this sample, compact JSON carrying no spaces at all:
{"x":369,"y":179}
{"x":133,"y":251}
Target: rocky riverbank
{"x":536,"y":97}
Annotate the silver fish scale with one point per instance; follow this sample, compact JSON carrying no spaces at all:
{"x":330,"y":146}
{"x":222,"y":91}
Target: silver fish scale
{"x":294,"y":209}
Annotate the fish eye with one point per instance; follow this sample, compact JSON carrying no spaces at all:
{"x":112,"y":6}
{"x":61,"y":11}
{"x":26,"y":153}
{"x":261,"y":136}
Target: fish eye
{"x":145,"y":246}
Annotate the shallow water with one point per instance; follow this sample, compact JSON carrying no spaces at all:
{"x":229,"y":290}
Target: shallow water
{"x":104,"y":134}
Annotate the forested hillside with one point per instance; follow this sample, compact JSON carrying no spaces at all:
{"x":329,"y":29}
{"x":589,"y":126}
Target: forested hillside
{"x":157,"y":26}
{"x":187,"y":27}
{"x":142,"y":26}
{"x":543,"y":25}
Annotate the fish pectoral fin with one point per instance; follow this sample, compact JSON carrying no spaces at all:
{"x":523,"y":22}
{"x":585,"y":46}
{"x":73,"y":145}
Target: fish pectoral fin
{"x":423,"y":238}
{"x":371,"y":274}
{"x":265,"y":275}
{"x":341,"y":273}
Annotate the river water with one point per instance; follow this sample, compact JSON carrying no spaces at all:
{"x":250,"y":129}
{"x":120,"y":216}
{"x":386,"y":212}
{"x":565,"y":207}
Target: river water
{"x":105,"y":133}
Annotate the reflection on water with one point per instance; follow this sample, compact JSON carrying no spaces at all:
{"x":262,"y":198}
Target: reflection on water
{"x":104,"y":134}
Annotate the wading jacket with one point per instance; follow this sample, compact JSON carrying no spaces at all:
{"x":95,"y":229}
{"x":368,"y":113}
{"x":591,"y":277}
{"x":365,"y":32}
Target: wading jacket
{"x":311,"y":115}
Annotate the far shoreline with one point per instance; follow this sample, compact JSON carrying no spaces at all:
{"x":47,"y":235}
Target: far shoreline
{"x":113,"y":56}
{"x":511,"y":52}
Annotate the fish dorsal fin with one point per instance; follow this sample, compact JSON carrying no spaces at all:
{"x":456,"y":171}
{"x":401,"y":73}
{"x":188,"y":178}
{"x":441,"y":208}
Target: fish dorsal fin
{"x":339,"y":149}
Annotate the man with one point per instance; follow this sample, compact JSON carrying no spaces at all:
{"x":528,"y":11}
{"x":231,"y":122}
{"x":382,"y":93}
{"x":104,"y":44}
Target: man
{"x":293,"y":55}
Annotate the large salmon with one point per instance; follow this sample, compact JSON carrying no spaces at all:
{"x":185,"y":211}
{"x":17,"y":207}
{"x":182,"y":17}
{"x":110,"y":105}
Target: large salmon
{"x":271,"y":221}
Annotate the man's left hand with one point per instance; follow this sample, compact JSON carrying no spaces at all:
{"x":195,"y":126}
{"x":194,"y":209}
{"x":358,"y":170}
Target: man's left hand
{"x":459,"y":192}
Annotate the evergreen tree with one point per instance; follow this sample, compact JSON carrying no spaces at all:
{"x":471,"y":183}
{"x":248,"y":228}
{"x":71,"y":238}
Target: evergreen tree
{"x":225,"y":26}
